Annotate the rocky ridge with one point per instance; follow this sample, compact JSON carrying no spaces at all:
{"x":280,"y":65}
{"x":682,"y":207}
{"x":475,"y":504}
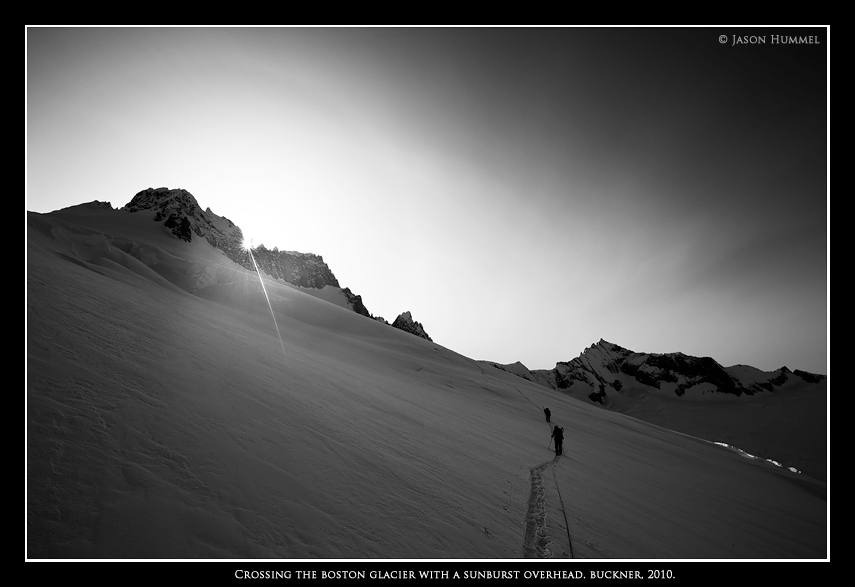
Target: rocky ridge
{"x":180,"y":213}
{"x":406,"y":323}
{"x":303,"y":269}
{"x":606,"y":369}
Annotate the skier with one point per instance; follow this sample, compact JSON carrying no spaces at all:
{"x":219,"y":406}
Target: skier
{"x":547,"y":412}
{"x":558,"y":435}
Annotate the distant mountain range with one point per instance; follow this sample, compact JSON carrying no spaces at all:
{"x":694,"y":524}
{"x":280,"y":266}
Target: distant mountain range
{"x":179,"y":212}
{"x":606,"y":371}
{"x":766,"y":414}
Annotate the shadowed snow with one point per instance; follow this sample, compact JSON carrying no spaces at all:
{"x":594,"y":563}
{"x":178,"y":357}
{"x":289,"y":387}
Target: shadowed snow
{"x":163,"y":423}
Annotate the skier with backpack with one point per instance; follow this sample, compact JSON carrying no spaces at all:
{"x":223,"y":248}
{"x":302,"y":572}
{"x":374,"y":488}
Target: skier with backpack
{"x":558,"y":435}
{"x":547,"y":413}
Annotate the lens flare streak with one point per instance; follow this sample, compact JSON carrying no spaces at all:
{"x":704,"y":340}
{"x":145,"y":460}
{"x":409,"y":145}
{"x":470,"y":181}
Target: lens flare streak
{"x":269,"y":305}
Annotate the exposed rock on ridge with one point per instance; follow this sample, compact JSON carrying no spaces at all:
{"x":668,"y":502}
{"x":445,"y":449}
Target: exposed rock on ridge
{"x":303,"y":269}
{"x":406,"y":323}
{"x":355,"y":302}
{"x":180,"y":212}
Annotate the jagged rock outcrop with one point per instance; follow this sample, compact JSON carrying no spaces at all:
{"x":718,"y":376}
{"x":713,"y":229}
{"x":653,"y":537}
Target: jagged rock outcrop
{"x":303,"y":269}
{"x":355,"y":302}
{"x":406,"y":323}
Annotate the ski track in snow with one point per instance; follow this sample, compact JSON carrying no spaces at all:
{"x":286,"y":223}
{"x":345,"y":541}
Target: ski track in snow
{"x":538,"y":539}
{"x":563,"y":510}
{"x":537,"y":542}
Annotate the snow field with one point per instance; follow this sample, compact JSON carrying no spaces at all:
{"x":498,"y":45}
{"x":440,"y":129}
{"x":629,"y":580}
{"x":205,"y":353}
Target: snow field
{"x":162,"y":424}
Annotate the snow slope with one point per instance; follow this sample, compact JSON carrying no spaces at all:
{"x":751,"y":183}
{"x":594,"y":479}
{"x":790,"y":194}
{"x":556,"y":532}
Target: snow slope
{"x":168,"y":424}
{"x":785,"y":422}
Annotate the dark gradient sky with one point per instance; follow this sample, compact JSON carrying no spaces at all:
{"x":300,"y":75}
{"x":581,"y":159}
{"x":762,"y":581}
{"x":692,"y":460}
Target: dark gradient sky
{"x":524,"y":192}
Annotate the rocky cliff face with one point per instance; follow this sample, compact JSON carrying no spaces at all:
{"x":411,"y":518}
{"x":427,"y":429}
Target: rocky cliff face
{"x":303,"y":269}
{"x":406,"y":323}
{"x":355,"y":302}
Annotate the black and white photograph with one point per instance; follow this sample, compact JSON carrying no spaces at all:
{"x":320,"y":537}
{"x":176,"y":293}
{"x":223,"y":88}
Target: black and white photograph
{"x":522,"y":294}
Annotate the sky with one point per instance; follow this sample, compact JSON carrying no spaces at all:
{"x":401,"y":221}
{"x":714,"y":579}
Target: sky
{"x":523,"y":192}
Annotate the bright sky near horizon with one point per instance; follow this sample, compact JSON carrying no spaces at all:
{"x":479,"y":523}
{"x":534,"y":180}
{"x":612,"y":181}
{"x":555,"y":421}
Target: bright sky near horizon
{"x":524,"y":192}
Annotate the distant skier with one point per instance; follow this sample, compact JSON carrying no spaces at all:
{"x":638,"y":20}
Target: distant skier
{"x":547,"y":413}
{"x":558,"y":435}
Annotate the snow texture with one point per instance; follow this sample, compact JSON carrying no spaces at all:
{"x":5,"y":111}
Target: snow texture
{"x":167,"y":419}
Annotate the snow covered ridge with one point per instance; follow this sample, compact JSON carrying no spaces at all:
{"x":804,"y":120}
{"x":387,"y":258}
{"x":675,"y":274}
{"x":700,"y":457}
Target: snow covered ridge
{"x":608,"y":368}
{"x":179,"y":211}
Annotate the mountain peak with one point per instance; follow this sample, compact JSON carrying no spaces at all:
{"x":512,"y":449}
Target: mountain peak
{"x":163,"y":198}
{"x":180,"y":213}
{"x":406,"y":323}
{"x":605,"y":369}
